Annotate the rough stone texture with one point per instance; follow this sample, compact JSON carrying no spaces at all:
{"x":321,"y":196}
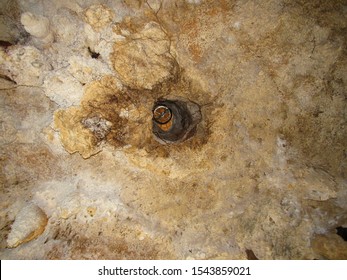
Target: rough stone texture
{"x":103,"y":115}
{"x":38,"y":27}
{"x":30,"y":222}
{"x":11,"y":30}
{"x":144,"y":59}
{"x":98,"y":16}
{"x":265,"y":172}
{"x":330,"y":247}
{"x":17,"y":58}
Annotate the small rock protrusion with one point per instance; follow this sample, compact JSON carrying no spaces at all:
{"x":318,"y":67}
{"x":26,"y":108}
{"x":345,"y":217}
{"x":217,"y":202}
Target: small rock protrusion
{"x":38,"y":27}
{"x":30,"y":223}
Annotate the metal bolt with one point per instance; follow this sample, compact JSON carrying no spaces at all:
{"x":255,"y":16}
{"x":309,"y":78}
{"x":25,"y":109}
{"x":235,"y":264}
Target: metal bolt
{"x":162,"y":114}
{"x":174,"y":120}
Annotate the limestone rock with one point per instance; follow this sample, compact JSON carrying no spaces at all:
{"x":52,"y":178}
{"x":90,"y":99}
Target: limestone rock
{"x":63,"y":89}
{"x":38,"y":27}
{"x":318,"y":185}
{"x":29,"y":224}
{"x":9,"y":31}
{"x":264,"y":173}
{"x":24,"y":57}
{"x":331,"y":247}
{"x":105,"y":113}
{"x":98,"y":16}
{"x":73,"y":135}
{"x":87,"y":70}
{"x":144,"y":59}
{"x":67,"y":27}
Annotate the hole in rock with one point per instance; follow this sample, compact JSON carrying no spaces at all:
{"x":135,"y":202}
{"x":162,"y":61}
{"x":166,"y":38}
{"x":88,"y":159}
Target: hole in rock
{"x":93,"y":54}
{"x":250,"y":255}
{"x":5,"y":44}
{"x":342,"y":232}
{"x":175,"y":121}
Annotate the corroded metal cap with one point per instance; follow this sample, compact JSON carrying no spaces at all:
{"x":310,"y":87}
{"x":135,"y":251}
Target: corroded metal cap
{"x":162,"y":114}
{"x":174,"y":120}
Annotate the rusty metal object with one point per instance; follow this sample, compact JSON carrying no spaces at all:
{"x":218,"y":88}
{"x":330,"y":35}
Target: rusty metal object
{"x":175,"y":120}
{"x":162,"y":114}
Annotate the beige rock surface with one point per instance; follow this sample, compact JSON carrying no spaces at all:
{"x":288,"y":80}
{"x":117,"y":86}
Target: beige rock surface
{"x":38,"y":27}
{"x":265,"y":172}
{"x":30,"y":222}
{"x":11,"y":30}
{"x":99,"y":16}
{"x":144,"y":59}
{"x":330,"y":247}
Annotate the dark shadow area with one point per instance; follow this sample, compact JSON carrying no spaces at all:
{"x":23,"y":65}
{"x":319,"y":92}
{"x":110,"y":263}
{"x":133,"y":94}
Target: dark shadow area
{"x":342,"y":232}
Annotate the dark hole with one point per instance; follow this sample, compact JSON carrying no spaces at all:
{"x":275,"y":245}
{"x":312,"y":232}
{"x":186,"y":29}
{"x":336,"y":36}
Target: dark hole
{"x":5,"y":44}
{"x":175,"y":120}
{"x":251,"y":255}
{"x":93,"y":54}
{"x":342,"y":232}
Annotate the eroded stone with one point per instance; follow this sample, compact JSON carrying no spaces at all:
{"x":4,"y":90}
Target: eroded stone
{"x":30,"y":223}
{"x":143,"y":60}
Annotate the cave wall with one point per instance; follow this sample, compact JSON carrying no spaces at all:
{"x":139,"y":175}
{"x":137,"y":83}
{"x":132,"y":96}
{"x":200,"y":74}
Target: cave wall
{"x":83,"y":177}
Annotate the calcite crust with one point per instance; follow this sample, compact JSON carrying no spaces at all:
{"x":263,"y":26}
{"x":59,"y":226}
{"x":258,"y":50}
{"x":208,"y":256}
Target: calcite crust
{"x":30,"y":223}
{"x":143,"y":60}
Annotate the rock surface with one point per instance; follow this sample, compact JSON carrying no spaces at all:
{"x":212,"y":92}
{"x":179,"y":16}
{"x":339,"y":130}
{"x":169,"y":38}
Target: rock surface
{"x":144,"y":58}
{"x":263,"y":177}
{"x":30,"y":222}
{"x":38,"y":27}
